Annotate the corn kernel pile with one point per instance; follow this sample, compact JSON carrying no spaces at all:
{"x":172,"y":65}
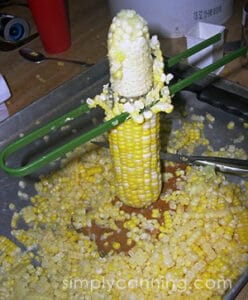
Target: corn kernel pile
{"x":195,"y":248}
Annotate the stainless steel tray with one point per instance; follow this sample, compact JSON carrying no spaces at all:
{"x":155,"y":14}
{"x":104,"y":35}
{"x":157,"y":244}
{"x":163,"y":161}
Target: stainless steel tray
{"x":223,"y":99}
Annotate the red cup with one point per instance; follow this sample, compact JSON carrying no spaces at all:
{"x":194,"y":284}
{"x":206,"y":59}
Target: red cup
{"x":51,"y":20}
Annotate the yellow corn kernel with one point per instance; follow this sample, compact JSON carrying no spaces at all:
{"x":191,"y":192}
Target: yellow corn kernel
{"x":230,"y":125}
{"x":7,"y":245}
{"x":116,"y":245}
{"x":167,"y":219}
{"x":155,"y":213}
{"x":210,"y":118}
{"x":242,"y":234}
{"x":129,"y":241}
{"x":195,"y":248}
{"x":161,"y":235}
{"x":15,"y":219}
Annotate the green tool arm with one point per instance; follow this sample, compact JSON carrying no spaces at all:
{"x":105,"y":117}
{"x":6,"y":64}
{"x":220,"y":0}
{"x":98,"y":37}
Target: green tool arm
{"x":104,"y":127}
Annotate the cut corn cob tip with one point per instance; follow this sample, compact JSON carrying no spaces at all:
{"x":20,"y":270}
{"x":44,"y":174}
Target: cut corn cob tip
{"x":138,"y":84}
{"x":129,"y":54}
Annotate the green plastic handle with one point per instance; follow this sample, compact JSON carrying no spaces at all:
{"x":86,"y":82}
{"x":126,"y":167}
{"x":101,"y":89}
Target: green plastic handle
{"x":102,"y":128}
{"x":58,"y":152}
{"x":187,"y":53}
{"x":181,"y":84}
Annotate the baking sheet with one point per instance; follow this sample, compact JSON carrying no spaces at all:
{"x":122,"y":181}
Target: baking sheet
{"x":74,"y":92}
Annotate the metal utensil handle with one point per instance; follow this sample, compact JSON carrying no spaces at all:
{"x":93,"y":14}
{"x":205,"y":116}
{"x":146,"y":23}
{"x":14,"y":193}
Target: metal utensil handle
{"x":70,"y":61}
{"x":226,"y":165}
{"x":229,"y":165}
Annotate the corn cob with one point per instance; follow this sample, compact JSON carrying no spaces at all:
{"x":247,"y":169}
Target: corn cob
{"x":138,"y":87}
{"x":135,"y":149}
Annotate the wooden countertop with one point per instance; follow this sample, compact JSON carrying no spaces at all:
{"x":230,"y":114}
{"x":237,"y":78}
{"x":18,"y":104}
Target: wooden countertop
{"x":89,"y":23}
